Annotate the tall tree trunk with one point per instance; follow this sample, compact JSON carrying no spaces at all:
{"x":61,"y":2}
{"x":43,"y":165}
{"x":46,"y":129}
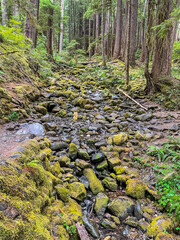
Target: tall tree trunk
{"x":127,"y":62}
{"x":61,"y":26}
{"x":102,"y":33}
{"x":124,"y":32}
{"x":117,"y":46}
{"x":50,"y":32}
{"x":113,"y":34}
{"x":70,"y":20}
{"x":97,"y":31}
{"x":134,"y":14}
{"x":163,"y":45}
{"x":15,"y":10}
{"x":143,"y":40}
{"x":4,"y":12}
{"x":148,"y":46}
{"x":89,"y":39}
{"x":31,"y":16}
{"x":107,"y":29}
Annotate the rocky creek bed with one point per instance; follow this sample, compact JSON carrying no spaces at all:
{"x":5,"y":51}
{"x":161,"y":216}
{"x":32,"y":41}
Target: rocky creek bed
{"x":81,"y":156}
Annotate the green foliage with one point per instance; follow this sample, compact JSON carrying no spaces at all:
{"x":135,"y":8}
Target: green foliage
{"x":176,"y":52}
{"x":32,"y":163}
{"x":13,"y":116}
{"x":168,"y":182}
{"x":70,"y":229}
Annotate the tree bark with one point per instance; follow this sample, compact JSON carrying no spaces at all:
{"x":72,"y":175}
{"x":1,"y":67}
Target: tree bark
{"x":61,"y":26}
{"x":117,"y":46}
{"x":97,"y":32}
{"x":134,"y":14}
{"x":4,"y":12}
{"x":89,"y":39}
{"x":70,"y":19}
{"x":107,"y":29}
{"x":103,"y":45}
{"x":50,"y":32}
{"x":163,"y":45}
{"x":128,"y":42}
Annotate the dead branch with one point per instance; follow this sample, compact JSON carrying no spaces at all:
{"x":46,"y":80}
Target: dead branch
{"x":132,"y":99}
{"x":83,"y":234}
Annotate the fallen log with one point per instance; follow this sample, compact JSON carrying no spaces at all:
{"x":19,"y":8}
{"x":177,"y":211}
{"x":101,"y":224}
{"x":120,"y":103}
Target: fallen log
{"x":83,"y":234}
{"x":120,"y":90}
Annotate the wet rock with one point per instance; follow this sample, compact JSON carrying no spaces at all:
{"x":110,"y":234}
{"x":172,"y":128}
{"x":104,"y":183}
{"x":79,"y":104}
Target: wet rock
{"x":103,"y":165}
{"x":106,"y":223}
{"x":101,"y":204}
{"x":63,"y":193}
{"x":131,"y":221}
{"x":120,"y":139}
{"x":94,"y":183}
{"x":82,"y":164}
{"x":138,"y":211}
{"x":41,"y":109}
{"x":165,"y":236}
{"x":73,"y":151}
{"x":110,"y":183}
{"x":64,"y":161}
{"x":77,"y":191}
{"x":33,"y":128}
{"x":46,"y":118}
{"x":135,"y":188}
{"x":143,"y":225}
{"x":100,"y":144}
{"x":82,"y":154}
{"x":122,"y":207}
{"x":85,"y":181}
{"x":91,"y":227}
{"x":50,"y":126}
{"x":58,"y":146}
{"x":158,"y":225}
{"x":98,"y":157}
{"x":144,"y":117}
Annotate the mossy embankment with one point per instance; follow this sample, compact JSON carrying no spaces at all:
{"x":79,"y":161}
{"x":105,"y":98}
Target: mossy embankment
{"x":28,"y":207}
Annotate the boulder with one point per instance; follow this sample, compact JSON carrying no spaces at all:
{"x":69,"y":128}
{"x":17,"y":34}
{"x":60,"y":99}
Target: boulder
{"x":77,"y":191}
{"x":101,"y":204}
{"x":110,"y":183}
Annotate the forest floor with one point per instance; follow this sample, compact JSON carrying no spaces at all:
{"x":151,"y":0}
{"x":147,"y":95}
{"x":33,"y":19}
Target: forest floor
{"x":112,"y":135}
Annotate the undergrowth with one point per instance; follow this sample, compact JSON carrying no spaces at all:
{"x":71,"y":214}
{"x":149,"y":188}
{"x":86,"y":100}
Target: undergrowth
{"x":168,"y":179}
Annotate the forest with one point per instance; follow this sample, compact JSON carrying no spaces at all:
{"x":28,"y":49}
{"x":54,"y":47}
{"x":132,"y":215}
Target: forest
{"x":89,"y":119}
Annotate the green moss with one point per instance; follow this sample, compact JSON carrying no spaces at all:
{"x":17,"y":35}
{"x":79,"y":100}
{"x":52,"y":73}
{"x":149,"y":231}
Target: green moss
{"x":158,"y":225}
{"x":119,"y":170}
{"x":101,"y":203}
{"x":135,"y":188}
{"x":63,"y":193}
{"x":120,"y":139}
{"x":77,"y":191}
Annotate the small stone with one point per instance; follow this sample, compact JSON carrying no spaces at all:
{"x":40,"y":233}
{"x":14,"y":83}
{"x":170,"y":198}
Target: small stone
{"x":82,"y":154}
{"x":63,"y":193}
{"x":82,"y":164}
{"x":120,"y":139}
{"x":101,"y":204}
{"x":135,"y":188}
{"x":106,"y":223}
{"x":122,"y":178}
{"x":73,"y":150}
{"x":65,"y":161}
{"x":97,"y":157}
{"x":143,"y":225}
{"x":58,"y":146}
{"x":77,"y":191}
{"x":119,"y":170}
{"x":50,"y":126}
{"x":110,"y":183}
{"x":41,"y":109}
{"x":165,"y":236}
{"x":103,"y":165}
{"x":91,"y":227}
{"x":131,"y":221}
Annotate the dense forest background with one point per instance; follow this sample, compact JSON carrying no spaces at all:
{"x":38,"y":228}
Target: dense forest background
{"x":138,"y":32}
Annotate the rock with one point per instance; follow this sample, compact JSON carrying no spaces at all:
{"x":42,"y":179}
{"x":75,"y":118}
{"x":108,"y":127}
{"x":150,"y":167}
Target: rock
{"x":143,"y":225}
{"x":91,"y":227}
{"x":58,"y":146}
{"x":82,"y":154}
{"x":97,"y":157}
{"x":80,"y":102}
{"x":131,"y":221}
{"x":101,"y":204}
{"x":50,"y":126}
{"x":94,"y":183}
{"x":122,"y":178}
{"x":77,"y":191}
{"x":55,"y":169}
{"x":138,"y":211}
{"x":85,"y":181}
{"x":144,"y":117}
{"x":103,"y":165}
{"x":110,"y":183}
{"x":41,"y":109}
{"x":120,"y":139}
{"x":34,"y":128}
{"x":135,"y":188}
{"x":63,"y":193}
{"x":114,"y":161}
{"x":64,"y":161}
{"x":106,"y":223}
{"x":73,"y":151}
{"x":140,"y":136}
{"x":46,"y":118}
{"x":121,"y":207}
{"x":164,"y":236}
{"x":158,"y":225}
{"x":119,"y":170}
{"x":82,"y":164}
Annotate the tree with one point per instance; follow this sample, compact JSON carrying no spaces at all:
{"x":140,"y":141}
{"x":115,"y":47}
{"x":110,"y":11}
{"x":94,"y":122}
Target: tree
{"x":61,"y":26}
{"x":117,"y":46}
{"x":128,"y":42}
{"x":4,"y":12}
{"x":161,"y":65}
{"x":102,"y":33}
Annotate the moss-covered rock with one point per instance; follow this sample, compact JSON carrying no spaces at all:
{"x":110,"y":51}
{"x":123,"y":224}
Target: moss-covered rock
{"x":73,"y":150}
{"x":63,"y":193}
{"x":122,"y":178}
{"x":121,"y":207}
{"x":135,"y":188}
{"x":140,"y":136}
{"x":64,"y":161}
{"x":94,"y":183}
{"x":164,"y":236}
{"x":82,"y":154}
{"x":119,"y":170}
{"x":119,"y":139}
{"x":41,"y":109}
{"x":158,"y":225}
{"x":77,"y":191}
{"x":110,"y":183}
{"x":101,"y":204}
